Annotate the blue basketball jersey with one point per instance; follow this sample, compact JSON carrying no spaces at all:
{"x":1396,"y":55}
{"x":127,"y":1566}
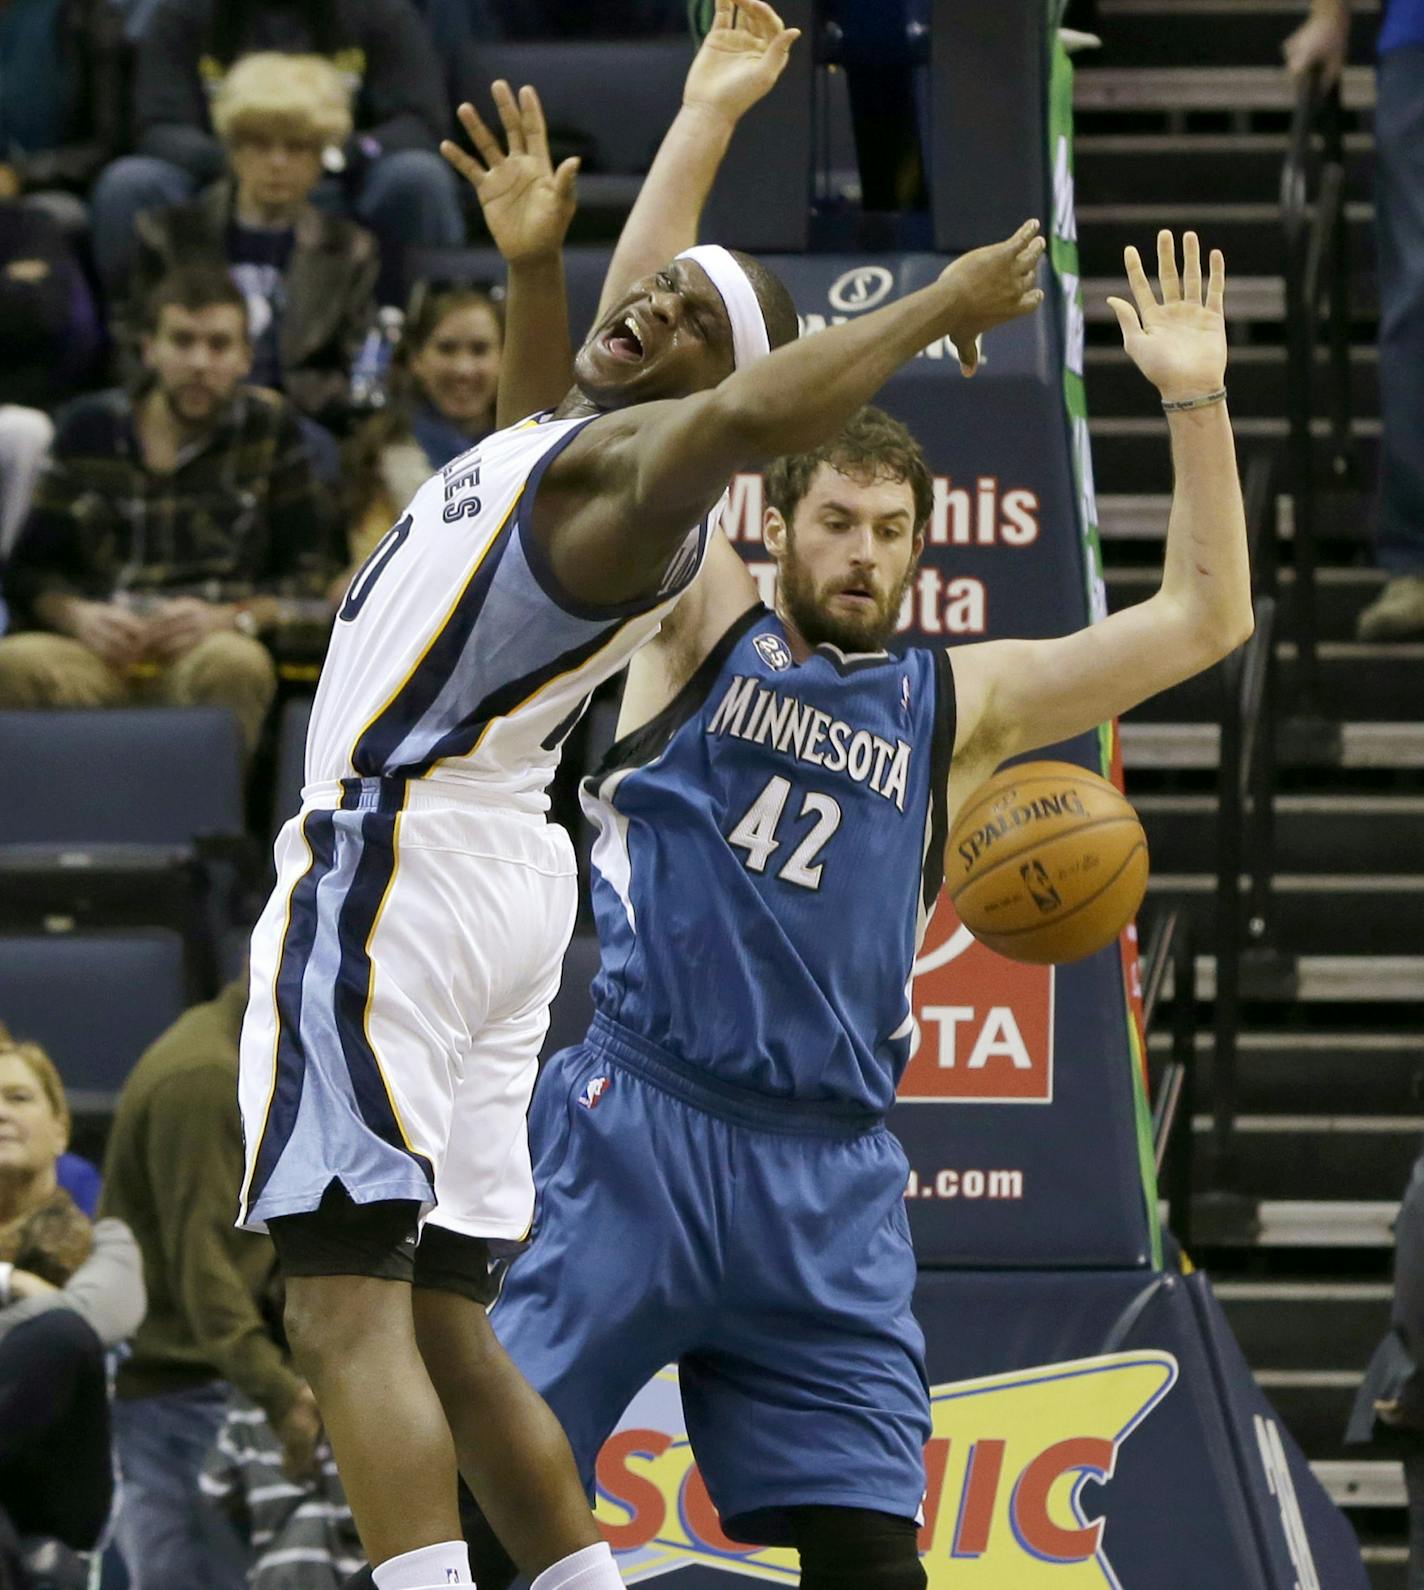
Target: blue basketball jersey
{"x":769,"y":848}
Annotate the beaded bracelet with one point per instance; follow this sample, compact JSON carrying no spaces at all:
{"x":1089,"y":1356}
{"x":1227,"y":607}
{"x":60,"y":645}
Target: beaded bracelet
{"x":1176,"y":405}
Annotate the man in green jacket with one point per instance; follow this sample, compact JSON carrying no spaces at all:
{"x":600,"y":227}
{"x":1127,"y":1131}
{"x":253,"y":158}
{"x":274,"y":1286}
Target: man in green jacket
{"x":173,"y":1171}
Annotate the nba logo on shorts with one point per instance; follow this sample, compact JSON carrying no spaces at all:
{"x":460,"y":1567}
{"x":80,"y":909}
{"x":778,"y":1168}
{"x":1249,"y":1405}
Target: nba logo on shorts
{"x":593,"y":1091}
{"x":773,"y":651}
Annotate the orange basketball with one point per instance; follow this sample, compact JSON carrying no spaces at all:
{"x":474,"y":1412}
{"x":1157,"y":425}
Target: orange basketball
{"x":1047,"y":863}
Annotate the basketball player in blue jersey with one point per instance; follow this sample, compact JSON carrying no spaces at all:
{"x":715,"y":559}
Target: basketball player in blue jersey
{"x":402,"y":970}
{"x":718,"y":1188}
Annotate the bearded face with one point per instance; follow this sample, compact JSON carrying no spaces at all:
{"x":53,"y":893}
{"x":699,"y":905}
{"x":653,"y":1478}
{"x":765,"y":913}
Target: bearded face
{"x":849,"y":557}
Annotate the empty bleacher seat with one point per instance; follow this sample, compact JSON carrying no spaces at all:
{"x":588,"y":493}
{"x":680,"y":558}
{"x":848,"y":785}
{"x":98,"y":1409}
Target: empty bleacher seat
{"x":120,"y":817}
{"x":95,"y":1001}
{"x":291,"y":761}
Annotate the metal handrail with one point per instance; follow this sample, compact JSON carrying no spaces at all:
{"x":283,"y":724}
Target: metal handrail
{"x":1172,"y":948}
{"x":1246,"y":783}
{"x":1316,"y":262}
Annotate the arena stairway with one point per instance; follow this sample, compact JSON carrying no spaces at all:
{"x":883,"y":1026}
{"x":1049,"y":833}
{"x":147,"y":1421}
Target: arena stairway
{"x":1331,"y":1051}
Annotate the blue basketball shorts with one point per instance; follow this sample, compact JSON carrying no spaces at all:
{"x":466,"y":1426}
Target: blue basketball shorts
{"x":761,"y":1247}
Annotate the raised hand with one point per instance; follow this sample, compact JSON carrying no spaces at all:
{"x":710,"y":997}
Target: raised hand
{"x":744,"y":53}
{"x":527,"y":202}
{"x":1180,"y":343}
{"x":992,"y":285}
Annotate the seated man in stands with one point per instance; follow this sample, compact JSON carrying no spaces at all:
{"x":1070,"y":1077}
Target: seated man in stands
{"x":68,"y":1291}
{"x":168,"y":527}
{"x":390,"y":176}
{"x":309,"y":277}
{"x":173,"y":1173}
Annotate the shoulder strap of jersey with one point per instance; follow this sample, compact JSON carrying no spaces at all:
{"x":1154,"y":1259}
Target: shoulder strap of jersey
{"x":647,"y":742}
{"x":941,"y":760}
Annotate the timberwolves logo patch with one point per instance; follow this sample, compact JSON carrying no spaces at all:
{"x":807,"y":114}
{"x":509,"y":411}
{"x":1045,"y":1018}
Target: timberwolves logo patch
{"x":593,"y":1091}
{"x":773,"y":651}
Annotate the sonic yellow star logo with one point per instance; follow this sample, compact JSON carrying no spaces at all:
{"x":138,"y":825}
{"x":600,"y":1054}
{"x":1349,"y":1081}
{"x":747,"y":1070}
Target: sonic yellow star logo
{"x":1006,"y":1466}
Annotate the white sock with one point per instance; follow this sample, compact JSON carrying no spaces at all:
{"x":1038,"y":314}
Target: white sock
{"x":589,"y":1569}
{"x":430,"y":1568}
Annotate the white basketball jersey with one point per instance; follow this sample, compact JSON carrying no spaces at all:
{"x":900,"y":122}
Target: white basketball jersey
{"x":456,"y":654}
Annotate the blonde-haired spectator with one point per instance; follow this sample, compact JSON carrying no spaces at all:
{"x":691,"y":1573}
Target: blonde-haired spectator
{"x":308,"y":277}
{"x":68,"y":1291}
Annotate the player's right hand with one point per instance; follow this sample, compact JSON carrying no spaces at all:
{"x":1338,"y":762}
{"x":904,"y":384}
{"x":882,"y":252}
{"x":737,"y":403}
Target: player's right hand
{"x":109,"y":631}
{"x":527,"y":203}
{"x":745,"y":51}
{"x":990,"y":286}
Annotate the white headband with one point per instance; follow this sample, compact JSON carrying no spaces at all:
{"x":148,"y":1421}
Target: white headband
{"x":749,"y":339}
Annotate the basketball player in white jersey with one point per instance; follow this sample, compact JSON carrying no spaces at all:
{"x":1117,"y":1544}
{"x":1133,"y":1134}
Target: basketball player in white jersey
{"x":402,"y":970}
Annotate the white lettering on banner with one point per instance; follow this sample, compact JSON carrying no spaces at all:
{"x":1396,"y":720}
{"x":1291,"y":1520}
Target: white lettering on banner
{"x":765,"y":576}
{"x":986,"y":519}
{"x":945,"y":607}
{"x":1065,"y":216}
{"x":998,"y":1038}
{"x":1278,"y":1477}
{"x":998,"y":1185}
{"x":1074,"y":323}
{"x":810,"y":324}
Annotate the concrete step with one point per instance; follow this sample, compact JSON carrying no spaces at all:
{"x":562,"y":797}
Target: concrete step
{"x":1256,"y":377}
{"x":1294,"y":1224}
{"x":1103,"y":91}
{"x":1303,"y":1325}
{"x":1123,"y":168}
{"x":1350,"y":980}
{"x":1341,"y":594}
{"x":1250,"y":235}
{"x":1314,"y":833}
{"x":1361,"y":1158}
{"x":1250,"y":300}
{"x":1304,"y":1070}
{"x":1131,"y":453}
{"x":1178,"y":747}
{"x":1209,"y":32}
{"x":1314,"y":913}
{"x":1371,"y":682}
{"x":1132,"y":525}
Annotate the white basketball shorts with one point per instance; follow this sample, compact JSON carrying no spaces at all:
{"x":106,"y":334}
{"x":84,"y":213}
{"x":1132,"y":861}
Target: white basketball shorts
{"x":401,"y":977}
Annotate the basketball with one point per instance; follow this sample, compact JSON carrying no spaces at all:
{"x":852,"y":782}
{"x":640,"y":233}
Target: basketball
{"x":1047,"y":863}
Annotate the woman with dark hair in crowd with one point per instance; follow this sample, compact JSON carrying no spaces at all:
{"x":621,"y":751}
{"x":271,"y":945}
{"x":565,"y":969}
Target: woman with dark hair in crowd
{"x":68,"y":1291}
{"x":441,"y":402}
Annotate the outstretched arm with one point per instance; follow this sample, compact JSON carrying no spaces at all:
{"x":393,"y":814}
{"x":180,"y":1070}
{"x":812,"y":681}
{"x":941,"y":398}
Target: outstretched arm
{"x":527,"y":206}
{"x":741,"y":58}
{"x":623,"y":493}
{"x":1015,"y":695}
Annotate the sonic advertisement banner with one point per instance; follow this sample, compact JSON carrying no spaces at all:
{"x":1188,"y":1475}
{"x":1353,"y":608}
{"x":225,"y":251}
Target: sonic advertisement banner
{"x":1118,"y":1443}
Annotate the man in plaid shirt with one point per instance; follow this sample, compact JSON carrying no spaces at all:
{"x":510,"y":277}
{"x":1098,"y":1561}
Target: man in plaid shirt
{"x":168,"y":527}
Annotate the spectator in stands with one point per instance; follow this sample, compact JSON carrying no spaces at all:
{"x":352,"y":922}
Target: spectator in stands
{"x":309,"y":277}
{"x":173,"y":1174}
{"x":441,"y":403}
{"x":392,"y":179}
{"x":1323,"y":42}
{"x":62,"y":112}
{"x":303,"y":1536}
{"x":68,"y":1291}
{"x":25,"y":435}
{"x":168,"y":527}
{"x":49,"y":323}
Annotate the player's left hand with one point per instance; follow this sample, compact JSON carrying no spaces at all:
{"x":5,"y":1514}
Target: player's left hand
{"x":527,"y":202}
{"x":1180,"y":343}
{"x":745,"y":51}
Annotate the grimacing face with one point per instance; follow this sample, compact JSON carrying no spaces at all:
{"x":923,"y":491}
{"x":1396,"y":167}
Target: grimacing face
{"x":847,"y":559}
{"x":32,"y":1136}
{"x":198,"y":357}
{"x":666,"y":337}
{"x":457,"y":366}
